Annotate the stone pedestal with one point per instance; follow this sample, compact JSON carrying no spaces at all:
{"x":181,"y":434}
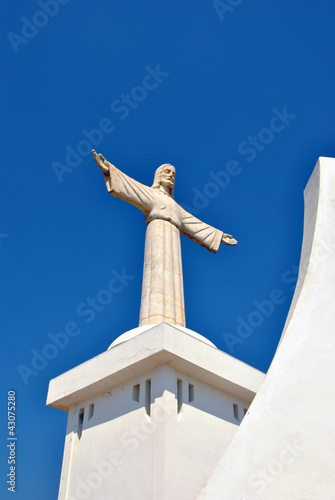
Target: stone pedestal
{"x":151,"y":417}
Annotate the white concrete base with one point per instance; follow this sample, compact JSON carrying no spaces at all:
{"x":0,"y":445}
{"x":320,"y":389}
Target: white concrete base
{"x":151,"y":417}
{"x":285,"y":447}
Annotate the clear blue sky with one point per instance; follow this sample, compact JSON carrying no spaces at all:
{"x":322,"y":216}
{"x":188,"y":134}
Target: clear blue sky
{"x":240,"y":99}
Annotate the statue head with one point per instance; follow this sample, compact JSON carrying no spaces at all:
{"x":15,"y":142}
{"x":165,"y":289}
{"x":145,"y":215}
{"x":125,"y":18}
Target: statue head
{"x":165,"y":176}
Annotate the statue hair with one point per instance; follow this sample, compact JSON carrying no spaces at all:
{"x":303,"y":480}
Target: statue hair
{"x":157,"y":178}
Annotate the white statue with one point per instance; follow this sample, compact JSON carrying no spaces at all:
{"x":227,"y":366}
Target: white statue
{"x":162,"y":288}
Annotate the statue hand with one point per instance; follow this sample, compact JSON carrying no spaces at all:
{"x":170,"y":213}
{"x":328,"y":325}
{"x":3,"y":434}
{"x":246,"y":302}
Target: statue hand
{"x":228,"y":239}
{"x":101,"y":161}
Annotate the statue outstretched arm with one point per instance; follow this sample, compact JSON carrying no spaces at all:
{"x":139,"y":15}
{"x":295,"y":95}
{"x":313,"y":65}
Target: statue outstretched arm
{"x":227,"y":239}
{"x":203,"y":234}
{"x":101,"y":161}
{"x":122,"y":186}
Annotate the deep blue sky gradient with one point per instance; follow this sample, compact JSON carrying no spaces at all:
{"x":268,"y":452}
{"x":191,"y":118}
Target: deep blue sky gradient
{"x":226,"y":76}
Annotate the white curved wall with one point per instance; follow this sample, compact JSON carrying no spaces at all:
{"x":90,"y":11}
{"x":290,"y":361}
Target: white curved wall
{"x":285,"y":447}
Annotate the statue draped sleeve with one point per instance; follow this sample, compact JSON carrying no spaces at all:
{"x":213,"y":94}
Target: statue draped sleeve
{"x":200,"y":232}
{"x":122,"y":186}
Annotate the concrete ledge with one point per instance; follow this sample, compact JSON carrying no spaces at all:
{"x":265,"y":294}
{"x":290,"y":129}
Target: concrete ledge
{"x":161,"y":344}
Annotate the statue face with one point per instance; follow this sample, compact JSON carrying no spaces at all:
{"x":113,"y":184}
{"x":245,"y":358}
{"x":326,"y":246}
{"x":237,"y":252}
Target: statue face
{"x":168,"y":176}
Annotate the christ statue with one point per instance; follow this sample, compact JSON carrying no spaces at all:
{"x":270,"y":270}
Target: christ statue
{"x":162,"y":287}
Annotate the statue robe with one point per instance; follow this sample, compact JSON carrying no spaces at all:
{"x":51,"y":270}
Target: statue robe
{"x":162,"y":287}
